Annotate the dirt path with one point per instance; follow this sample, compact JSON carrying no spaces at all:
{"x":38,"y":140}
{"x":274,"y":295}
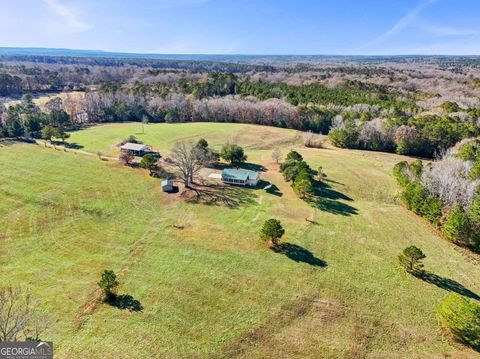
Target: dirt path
{"x":66,"y":149}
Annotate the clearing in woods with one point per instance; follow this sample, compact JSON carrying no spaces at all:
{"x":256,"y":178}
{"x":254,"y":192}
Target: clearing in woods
{"x":208,"y":286}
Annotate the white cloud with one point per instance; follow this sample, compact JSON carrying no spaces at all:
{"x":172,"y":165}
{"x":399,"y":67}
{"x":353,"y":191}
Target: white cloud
{"x":447,"y":31}
{"x":69,"y":16}
{"x":401,"y":24}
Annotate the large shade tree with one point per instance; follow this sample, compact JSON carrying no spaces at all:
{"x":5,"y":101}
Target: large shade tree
{"x":233,"y":153}
{"x":189,"y":159}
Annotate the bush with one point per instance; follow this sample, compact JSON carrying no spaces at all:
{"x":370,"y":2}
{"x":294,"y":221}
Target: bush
{"x":406,"y":173}
{"x":400,"y":173}
{"x":131,"y":139}
{"x":417,"y":168}
{"x":462,"y":317}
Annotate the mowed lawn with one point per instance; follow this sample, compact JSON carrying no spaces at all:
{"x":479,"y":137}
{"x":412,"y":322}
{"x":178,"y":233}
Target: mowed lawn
{"x":209,"y":288}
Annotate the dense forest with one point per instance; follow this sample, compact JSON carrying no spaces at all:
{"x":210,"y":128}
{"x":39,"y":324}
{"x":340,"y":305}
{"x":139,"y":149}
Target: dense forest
{"x":426,"y":107}
{"x":415,"y":106}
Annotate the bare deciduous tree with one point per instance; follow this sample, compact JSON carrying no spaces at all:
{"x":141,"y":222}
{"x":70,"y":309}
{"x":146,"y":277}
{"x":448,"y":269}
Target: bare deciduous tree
{"x":313,"y":140}
{"x":144,"y":122}
{"x":373,"y":134}
{"x":277,"y":155}
{"x":126,"y":158}
{"x":18,"y":320}
{"x":448,"y":179}
{"x":189,"y":159}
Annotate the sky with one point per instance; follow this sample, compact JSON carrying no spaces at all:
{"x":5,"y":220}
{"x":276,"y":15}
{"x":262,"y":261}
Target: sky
{"x":321,"y":27}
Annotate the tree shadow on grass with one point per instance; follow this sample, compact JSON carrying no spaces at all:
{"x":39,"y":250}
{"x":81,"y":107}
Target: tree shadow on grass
{"x":447,"y":284}
{"x":126,"y":301}
{"x":80,"y":127}
{"x":299,"y":254}
{"x":325,"y":190}
{"x":269,"y":188}
{"x":327,"y":199}
{"x":333,"y":181}
{"x":252,"y":167}
{"x":74,"y":146}
{"x":220,"y":195}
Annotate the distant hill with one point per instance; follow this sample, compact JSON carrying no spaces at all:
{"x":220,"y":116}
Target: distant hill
{"x":34,"y":51}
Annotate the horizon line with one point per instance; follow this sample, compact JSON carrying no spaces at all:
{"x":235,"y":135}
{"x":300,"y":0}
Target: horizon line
{"x":106,"y":52}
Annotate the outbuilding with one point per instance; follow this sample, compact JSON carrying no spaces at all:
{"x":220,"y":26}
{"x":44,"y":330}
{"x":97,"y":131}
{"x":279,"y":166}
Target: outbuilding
{"x":167,"y":185}
{"x":137,"y":149}
{"x":240,"y":176}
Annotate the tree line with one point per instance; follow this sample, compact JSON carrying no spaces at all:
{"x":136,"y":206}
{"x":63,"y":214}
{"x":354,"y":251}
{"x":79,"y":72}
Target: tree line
{"x":446,"y":192}
{"x":358,"y":126}
{"x":355,"y":114}
{"x":27,"y":120}
{"x":424,"y":136}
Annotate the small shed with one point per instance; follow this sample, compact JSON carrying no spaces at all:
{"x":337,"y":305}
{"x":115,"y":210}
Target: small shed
{"x":167,"y":185}
{"x":138,"y":149}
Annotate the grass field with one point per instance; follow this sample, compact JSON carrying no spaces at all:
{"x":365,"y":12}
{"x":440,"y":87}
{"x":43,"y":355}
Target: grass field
{"x":208,"y":286}
{"x":105,"y":138}
{"x":40,"y":101}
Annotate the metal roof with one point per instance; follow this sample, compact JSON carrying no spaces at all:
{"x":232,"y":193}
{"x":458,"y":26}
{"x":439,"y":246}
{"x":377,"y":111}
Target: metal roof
{"x":239,"y":174}
{"x":134,"y":146}
{"x":167,"y":182}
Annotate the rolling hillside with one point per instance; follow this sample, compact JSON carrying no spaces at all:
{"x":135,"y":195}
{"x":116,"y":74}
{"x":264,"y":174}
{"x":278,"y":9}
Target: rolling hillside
{"x":208,"y":286}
